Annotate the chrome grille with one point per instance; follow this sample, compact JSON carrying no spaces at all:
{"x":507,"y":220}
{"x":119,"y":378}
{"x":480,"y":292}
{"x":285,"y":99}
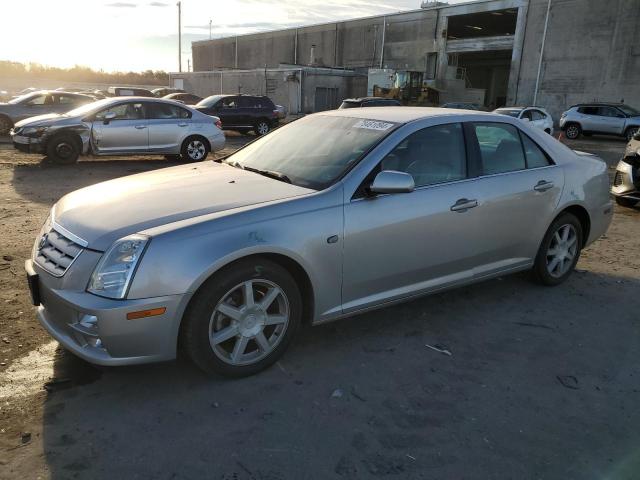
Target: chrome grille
{"x":55,"y":252}
{"x":617,"y":180}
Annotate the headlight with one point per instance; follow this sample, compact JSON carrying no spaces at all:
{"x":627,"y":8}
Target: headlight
{"x":35,"y":131}
{"x":115,"y":270}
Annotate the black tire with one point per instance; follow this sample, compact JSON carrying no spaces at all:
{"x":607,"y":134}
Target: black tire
{"x":194,"y":149}
{"x":572,"y":131}
{"x":5,"y":125}
{"x":540,"y":271}
{"x":63,"y":149}
{"x":173,"y":158}
{"x":262,"y":127}
{"x":198,"y":318}
{"x":626,"y":202}
{"x":630,"y":132}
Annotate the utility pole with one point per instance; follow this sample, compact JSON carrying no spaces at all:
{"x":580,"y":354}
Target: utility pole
{"x":210,"y":23}
{"x":179,"y":4}
{"x":544,"y":38}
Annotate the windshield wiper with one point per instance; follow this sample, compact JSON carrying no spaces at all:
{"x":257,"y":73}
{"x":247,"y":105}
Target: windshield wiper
{"x":268,"y":173}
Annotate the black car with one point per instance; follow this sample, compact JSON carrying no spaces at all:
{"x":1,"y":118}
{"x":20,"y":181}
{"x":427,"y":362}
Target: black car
{"x":164,"y":91}
{"x":242,"y":112}
{"x":369,"y":102}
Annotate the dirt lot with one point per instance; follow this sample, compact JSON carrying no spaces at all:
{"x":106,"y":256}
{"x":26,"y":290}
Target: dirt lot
{"x":541,"y":383}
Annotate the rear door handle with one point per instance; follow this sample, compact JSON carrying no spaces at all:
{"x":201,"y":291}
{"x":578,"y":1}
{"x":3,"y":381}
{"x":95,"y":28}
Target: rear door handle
{"x":543,"y":186}
{"x":463,"y":205}
{"x":140,"y":127}
{"x":183,"y":124}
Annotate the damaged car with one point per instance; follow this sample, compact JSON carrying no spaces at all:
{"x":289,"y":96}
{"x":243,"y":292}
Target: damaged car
{"x":626,"y":182}
{"x":38,"y":103}
{"x":332,"y":215}
{"x":121,"y":126}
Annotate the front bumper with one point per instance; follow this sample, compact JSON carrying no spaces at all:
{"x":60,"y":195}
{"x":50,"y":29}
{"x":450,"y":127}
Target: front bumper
{"x":97,"y":330}
{"x":626,"y":182}
{"x":27,"y":144}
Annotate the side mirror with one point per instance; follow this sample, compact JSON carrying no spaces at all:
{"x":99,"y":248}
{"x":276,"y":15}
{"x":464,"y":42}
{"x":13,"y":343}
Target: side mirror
{"x":390,"y":181}
{"x":108,"y":117}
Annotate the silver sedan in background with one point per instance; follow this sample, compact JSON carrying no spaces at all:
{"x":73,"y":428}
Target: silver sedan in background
{"x":122,"y":126}
{"x":332,"y":215}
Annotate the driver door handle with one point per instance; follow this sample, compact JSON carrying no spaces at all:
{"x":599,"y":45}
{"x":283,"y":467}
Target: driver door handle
{"x":140,"y":127}
{"x":463,"y":205}
{"x":543,"y":186}
{"x":183,"y":124}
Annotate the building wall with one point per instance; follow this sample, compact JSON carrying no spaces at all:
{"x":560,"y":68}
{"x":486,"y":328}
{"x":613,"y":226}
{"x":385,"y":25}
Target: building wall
{"x":592,"y":52}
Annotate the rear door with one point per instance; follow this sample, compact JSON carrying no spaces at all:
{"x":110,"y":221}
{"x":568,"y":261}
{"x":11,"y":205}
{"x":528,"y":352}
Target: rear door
{"x":589,"y":119}
{"x":229,"y":112}
{"x":518,"y":189}
{"x":128,"y":132}
{"x":612,"y":119}
{"x":168,"y":126}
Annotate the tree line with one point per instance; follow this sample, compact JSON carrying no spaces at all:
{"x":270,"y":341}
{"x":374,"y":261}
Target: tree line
{"x":80,"y":73}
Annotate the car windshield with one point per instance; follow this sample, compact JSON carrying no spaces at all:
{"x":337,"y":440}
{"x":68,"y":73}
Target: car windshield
{"x":209,"y":101}
{"x":629,"y":110}
{"x":512,"y":112}
{"x":312,"y":152}
{"x":89,"y":107}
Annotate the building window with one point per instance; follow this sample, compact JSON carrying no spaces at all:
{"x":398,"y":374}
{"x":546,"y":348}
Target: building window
{"x":432,"y":64}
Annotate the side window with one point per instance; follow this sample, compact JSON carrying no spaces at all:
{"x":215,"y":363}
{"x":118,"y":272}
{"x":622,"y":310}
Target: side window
{"x":500,"y":148}
{"x":537,"y":115}
{"x":431,"y":155}
{"x":535,"y":156}
{"x":610,"y":112}
{"x":229,"y":102}
{"x":588,"y":110}
{"x":41,"y":100}
{"x":166,"y":111}
{"x":68,"y":100}
{"x":247,"y":102}
{"x":124,"y":111}
{"x":527,"y":114}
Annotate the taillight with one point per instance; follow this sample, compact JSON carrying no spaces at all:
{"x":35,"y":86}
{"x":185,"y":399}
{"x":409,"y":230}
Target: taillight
{"x":275,"y":113}
{"x":219,"y":124}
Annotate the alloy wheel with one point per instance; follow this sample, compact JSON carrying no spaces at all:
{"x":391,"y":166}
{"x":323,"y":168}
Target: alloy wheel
{"x":572,"y":131}
{"x":562,"y":250}
{"x":249,"y":322}
{"x":196,"y":150}
{"x":263,"y":128}
{"x":64,"y":150}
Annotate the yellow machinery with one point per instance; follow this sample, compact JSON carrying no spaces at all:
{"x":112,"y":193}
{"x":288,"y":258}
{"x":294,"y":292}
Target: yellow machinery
{"x":409,"y":89}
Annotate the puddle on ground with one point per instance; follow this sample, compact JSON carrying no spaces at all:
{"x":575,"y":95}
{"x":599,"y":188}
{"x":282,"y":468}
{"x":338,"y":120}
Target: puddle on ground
{"x":47,"y":367}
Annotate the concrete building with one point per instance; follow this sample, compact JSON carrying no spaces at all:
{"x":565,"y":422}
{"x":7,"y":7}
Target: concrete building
{"x":490,"y":51}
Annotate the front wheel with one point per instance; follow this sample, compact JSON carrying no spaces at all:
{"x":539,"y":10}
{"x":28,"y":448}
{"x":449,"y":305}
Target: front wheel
{"x":559,"y":251}
{"x":63,"y":149}
{"x":626,"y":202}
{"x":262,"y":127}
{"x":572,"y":131}
{"x":194,"y":149}
{"x":242,"y":319}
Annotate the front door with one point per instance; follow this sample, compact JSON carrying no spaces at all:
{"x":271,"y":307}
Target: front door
{"x":127,"y":132}
{"x":401,"y":244}
{"x":612,"y":119}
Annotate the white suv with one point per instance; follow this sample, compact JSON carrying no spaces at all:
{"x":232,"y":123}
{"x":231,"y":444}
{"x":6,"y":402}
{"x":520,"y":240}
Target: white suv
{"x":538,"y":116}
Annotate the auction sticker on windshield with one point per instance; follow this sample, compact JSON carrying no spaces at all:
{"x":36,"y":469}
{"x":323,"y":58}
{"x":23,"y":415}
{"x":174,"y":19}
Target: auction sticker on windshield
{"x":373,"y":125}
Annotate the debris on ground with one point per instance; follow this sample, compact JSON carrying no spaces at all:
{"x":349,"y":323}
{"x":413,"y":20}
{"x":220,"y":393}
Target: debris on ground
{"x":8,"y":258}
{"x":568,"y":381}
{"x":25,"y":437}
{"x":357,"y":394}
{"x":440,"y":349}
{"x":337,"y":393}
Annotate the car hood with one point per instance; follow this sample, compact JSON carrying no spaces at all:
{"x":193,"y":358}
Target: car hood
{"x":39,"y":121}
{"x":105,"y":212}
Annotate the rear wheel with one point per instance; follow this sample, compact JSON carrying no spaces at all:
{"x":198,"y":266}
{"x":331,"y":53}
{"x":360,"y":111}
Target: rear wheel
{"x":262,"y":127}
{"x":5,"y":125}
{"x":242,"y":319}
{"x":63,"y":149}
{"x":559,"y":251}
{"x":195,"y":149}
{"x":572,"y":131}
{"x":626,"y":202}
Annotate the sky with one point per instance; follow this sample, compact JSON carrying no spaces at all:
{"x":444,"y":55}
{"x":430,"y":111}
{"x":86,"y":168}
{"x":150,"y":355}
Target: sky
{"x":137,"y":35}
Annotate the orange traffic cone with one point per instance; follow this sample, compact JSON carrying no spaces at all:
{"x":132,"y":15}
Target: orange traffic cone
{"x":561,"y":136}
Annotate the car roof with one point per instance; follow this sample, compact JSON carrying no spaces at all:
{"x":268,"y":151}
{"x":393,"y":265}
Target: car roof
{"x":599,"y":104}
{"x":404,"y":114}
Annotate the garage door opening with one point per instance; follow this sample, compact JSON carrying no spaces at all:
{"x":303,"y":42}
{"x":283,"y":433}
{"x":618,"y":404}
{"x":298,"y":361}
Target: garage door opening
{"x":485,"y":24}
{"x":487,"y":70}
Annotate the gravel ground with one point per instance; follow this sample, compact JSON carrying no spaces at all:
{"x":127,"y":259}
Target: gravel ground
{"x":540,"y":383}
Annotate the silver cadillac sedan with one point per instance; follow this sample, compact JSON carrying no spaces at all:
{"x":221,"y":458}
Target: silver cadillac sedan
{"x":332,"y":215}
{"x":121,"y":126}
